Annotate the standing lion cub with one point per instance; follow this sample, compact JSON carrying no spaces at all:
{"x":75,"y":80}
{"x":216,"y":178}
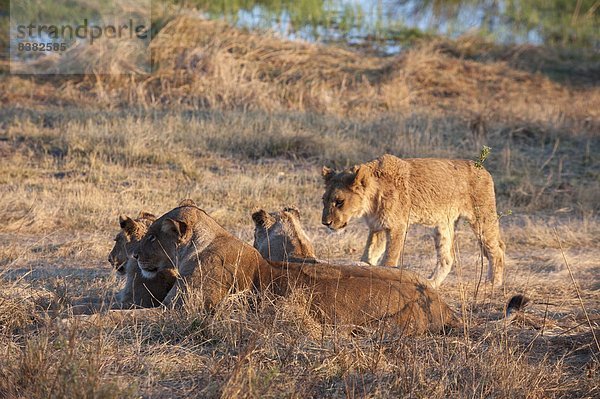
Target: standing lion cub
{"x":390,"y":193}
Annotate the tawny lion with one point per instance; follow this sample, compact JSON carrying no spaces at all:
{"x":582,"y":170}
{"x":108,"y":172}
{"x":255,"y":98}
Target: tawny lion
{"x":138,"y":290}
{"x":390,"y":193}
{"x":214,"y":263}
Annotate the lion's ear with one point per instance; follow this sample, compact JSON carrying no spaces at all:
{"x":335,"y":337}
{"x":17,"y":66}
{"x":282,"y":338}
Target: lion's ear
{"x":127,"y":224}
{"x":262,"y":219}
{"x":360,"y":177}
{"x":175,"y":227}
{"x":293,"y":210}
{"x":187,"y":202}
{"x":147,"y":215}
{"x":327,"y":173}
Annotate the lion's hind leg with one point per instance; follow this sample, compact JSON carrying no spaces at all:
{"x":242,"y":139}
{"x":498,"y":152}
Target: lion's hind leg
{"x":494,"y":251}
{"x":444,"y":245}
{"x":487,"y":230}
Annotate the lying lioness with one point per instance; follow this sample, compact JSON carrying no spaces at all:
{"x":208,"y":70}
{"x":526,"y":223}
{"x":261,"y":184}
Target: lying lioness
{"x":390,"y":193}
{"x":214,"y":263}
{"x":138,"y":290}
{"x":286,"y":236}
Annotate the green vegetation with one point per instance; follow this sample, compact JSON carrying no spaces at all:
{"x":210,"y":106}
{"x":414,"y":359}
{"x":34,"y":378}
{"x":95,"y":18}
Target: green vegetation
{"x":549,"y":22}
{"x":558,"y":22}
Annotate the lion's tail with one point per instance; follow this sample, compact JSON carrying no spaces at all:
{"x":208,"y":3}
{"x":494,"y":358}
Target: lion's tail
{"x":515,"y":305}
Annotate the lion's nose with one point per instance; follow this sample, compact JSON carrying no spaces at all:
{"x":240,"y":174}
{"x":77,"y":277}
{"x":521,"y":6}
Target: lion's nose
{"x":136,"y":255}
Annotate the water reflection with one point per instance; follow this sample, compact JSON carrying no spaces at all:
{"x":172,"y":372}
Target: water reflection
{"x":394,"y":22}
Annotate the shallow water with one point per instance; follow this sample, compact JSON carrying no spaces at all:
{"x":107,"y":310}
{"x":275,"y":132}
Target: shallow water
{"x":393,"y":23}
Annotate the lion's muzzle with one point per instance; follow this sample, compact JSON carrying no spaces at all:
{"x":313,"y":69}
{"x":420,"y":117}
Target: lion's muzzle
{"x":332,"y":225}
{"x":326,"y":219}
{"x":146,"y":267}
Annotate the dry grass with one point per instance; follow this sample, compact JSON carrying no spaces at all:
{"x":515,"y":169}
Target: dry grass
{"x":199,"y":63}
{"x":239,"y":121}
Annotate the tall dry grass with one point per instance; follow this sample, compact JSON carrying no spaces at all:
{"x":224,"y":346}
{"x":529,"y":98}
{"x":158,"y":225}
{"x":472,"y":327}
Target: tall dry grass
{"x":207,"y":64}
{"x":264,"y":350}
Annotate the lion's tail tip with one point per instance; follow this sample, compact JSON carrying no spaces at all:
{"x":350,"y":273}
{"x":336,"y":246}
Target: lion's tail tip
{"x":516,"y":304}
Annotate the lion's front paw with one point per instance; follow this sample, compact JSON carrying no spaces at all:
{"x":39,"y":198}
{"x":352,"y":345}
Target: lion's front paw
{"x":435,"y":283}
{"x":368,"y":261}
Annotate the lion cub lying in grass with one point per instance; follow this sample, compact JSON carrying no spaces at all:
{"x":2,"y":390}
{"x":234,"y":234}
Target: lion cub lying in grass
{"x":138,"y":290}
{"x":390,"y":193}
{"x":214,"y":263}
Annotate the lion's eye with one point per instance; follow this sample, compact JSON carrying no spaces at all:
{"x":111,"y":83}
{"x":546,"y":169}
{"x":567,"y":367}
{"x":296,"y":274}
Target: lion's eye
{"x":339,"y":203}
{"x":152,"y":238}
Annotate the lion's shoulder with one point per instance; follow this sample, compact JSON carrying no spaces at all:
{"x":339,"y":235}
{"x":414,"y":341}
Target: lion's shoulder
{"x":386,"y":168}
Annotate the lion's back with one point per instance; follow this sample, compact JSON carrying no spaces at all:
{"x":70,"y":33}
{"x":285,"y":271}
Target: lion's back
{"x":434,"y":188}
{"x":363,"y":295}
{"x":226,"y":262}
